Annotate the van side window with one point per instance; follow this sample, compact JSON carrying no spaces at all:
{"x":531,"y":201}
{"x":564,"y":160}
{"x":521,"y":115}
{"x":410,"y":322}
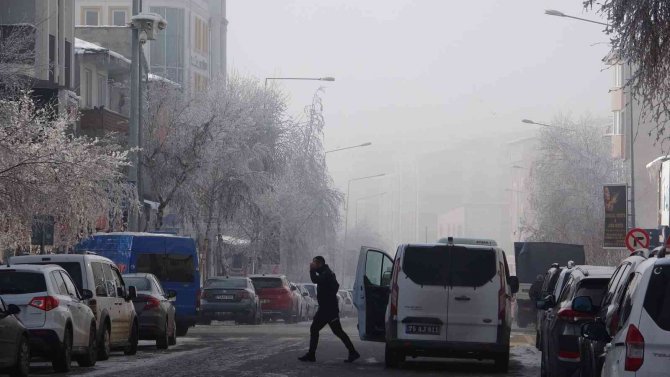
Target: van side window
{"x":118,"y":280}
{"x":109,"y":280}
{"x":387,"y":271}
{"x":657,"y":299}
{"x":614,"y":283}
{"x":72,"y":291}
{"x":60,"y":284}
{"x":373,"y":267}
{"x":99,"y":279}
{"x":627,"y":304}
{"x":151,"y":263}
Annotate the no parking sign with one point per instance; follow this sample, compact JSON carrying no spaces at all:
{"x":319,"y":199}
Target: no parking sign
{"x":637,"y":238}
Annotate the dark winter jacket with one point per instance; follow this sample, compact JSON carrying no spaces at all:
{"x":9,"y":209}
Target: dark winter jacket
{"x":326,"y":288}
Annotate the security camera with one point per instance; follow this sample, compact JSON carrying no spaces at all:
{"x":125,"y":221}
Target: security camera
{"x":148,"y":24}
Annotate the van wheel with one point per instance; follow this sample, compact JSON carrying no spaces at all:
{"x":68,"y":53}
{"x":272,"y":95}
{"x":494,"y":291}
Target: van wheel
{"x":61,"y":363}
{"x":134,"y":339}
{"x":162,"y":341}
{"x":172,"y":340}
{"x":182,"y":329}
{"x":393,"y":358}
{"x":22,"y":367}
{"x":104,"y":345}
{"x":91,"y":356}
{"x":502,"y":362}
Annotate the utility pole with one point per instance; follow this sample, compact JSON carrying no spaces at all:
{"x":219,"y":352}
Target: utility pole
{"x":632,"y":151}
{"x":133,"y":131}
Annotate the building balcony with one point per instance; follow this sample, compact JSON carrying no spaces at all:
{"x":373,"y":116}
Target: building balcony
{"x":99,"y":122}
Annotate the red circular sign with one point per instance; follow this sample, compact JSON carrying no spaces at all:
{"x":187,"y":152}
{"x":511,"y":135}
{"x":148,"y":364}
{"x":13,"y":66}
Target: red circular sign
{"x":637,"y":238}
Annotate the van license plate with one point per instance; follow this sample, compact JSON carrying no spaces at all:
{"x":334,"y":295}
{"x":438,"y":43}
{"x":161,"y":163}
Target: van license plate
{"x":423,"y":329}
{"x":225,"y":297}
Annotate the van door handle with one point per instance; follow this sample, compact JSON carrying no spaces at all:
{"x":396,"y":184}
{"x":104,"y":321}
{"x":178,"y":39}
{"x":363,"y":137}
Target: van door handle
{"x":462,"y":298}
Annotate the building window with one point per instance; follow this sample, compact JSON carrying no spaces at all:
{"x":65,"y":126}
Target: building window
{"x":617,"y":123}
{"x":91,"y":16}
{"x":118,"y":16}
{"x":102,"y":90}
{"x":88,"y":87}
{"x":200,"y":82}
{"x":167,"y":51}
{"x":201,"y":36}
{"x":618,"y":75}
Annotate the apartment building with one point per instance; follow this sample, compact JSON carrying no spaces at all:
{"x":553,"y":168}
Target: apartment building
{"x":191,"y":51}
{"x":48,"y":27}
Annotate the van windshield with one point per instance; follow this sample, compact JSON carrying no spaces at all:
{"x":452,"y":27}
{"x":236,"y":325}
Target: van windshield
{"x":449,"y":265}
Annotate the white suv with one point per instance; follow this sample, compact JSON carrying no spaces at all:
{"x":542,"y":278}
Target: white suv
{"x":60,"y":324}
{"x":641,"y":345}
{"x":437,"y":300}
{"x":112,"y":304}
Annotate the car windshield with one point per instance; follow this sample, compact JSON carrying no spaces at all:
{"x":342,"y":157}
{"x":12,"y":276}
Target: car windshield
{"x":226,"y":284}
{"x":260,"y":283}
{"x":140,"y":283}
{"x":21,"y":282}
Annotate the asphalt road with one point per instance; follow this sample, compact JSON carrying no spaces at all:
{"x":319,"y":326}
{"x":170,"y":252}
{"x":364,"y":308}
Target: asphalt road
{"x":271,"y":350}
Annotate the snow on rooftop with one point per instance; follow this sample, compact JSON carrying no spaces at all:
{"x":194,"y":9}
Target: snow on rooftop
{"x":154,"y":77}
{"x":82,"y":47}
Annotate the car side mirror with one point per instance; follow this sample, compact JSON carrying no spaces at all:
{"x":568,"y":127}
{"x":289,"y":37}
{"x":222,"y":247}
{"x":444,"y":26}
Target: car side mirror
{"x":386,"y":279}
{"x":305,"y":294}
{"x":86,"y":294}
{"x":171,"y":293}
{"x":13,"y":309}
{"x":596,"y":331}
{"x":100,"y":291}
{"x":293,"y":288}
{"x":514,"y":284}
{"x":132,"y":293}
{"x":582,"y":304}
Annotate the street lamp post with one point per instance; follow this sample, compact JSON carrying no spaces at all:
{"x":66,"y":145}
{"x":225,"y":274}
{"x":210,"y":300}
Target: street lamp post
{"x":557,"y":13}
{"x":346,"y":208}
{"x":351,"y":147}
{"x":327,"y":78}
{"x":528,"y":121}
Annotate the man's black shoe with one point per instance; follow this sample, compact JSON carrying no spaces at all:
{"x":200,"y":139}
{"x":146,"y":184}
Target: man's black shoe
{"x":308,"y":357}
{"x":353,"y":356}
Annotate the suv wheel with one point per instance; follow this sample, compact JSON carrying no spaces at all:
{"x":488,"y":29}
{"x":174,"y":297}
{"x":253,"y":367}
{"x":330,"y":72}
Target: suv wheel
{"x":105,"y":345}
{"x":91,"y":356}
{"x":502,"y":362}
{"x":393,"y":358}
{"x":131,"y":348}
{"x":22,"y":367}
{"x":162,"y":341}
{"x":172,"y":340}
{"x":61,"y":363}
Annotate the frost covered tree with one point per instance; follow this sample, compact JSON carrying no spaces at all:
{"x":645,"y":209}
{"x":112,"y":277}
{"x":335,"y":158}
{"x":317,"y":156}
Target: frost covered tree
{"x":566,"y":186}
{"x":46,"y":170}
{"x":640,"y":31}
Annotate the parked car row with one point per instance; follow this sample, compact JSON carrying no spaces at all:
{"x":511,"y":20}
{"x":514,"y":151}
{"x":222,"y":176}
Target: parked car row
{"x":257,"y":298}
{"x":608,"y":321}
{"x":78,"y":307}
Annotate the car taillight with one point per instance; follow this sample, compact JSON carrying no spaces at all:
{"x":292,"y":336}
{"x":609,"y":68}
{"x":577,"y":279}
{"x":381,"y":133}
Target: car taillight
{"x":567,"y":314}
{"x":634,"y":349}
{"x":45,"y":303}
{"x":394,"y":289}
{"x":151,"y":303}
{"x":242,"y":295}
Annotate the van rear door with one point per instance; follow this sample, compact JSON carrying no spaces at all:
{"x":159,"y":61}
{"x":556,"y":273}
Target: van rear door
{"x":371,"y":292}
{"x":476,"y":288}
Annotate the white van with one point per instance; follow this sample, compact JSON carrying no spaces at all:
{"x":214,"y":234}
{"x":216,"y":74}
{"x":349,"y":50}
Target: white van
{"x":450,"y":299}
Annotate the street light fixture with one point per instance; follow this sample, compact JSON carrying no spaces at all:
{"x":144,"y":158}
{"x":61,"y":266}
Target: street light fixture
{"x":351,"y":147}
{"x":528,"y":121}
{"x":557,"y":13}
{"x":326,"y":78}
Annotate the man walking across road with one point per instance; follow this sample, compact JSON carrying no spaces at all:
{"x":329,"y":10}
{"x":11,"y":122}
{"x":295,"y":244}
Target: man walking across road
{"x":328,"y":313}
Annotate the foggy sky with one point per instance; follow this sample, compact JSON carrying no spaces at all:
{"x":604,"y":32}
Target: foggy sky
{"x":415,"y":76}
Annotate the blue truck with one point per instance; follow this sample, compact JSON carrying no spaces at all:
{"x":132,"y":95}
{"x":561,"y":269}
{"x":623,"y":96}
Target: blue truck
{"x":173,"y":259}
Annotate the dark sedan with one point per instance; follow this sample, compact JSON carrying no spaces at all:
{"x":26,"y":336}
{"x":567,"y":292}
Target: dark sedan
{"x":230,"y":298}
{"x":154,"y":308}
{"x":14,"y":344}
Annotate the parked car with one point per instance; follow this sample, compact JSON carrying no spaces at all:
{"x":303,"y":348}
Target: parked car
{"x":560,"y":343}
{"x":347,"y":303}
{"x":172,"y":259}
{"x":554,"y":281}
{"x":154,"y":308}
{"x":60,"y":324}
{"x":230,"y":298}
{"x":14,"y":341}
{"x":277,"y":298}
{"x":451,"y":299}
{"x":641,"y":344}
{"x":592,"y":351}
{"x":312,"y":304}
{"x":111,"y":301}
